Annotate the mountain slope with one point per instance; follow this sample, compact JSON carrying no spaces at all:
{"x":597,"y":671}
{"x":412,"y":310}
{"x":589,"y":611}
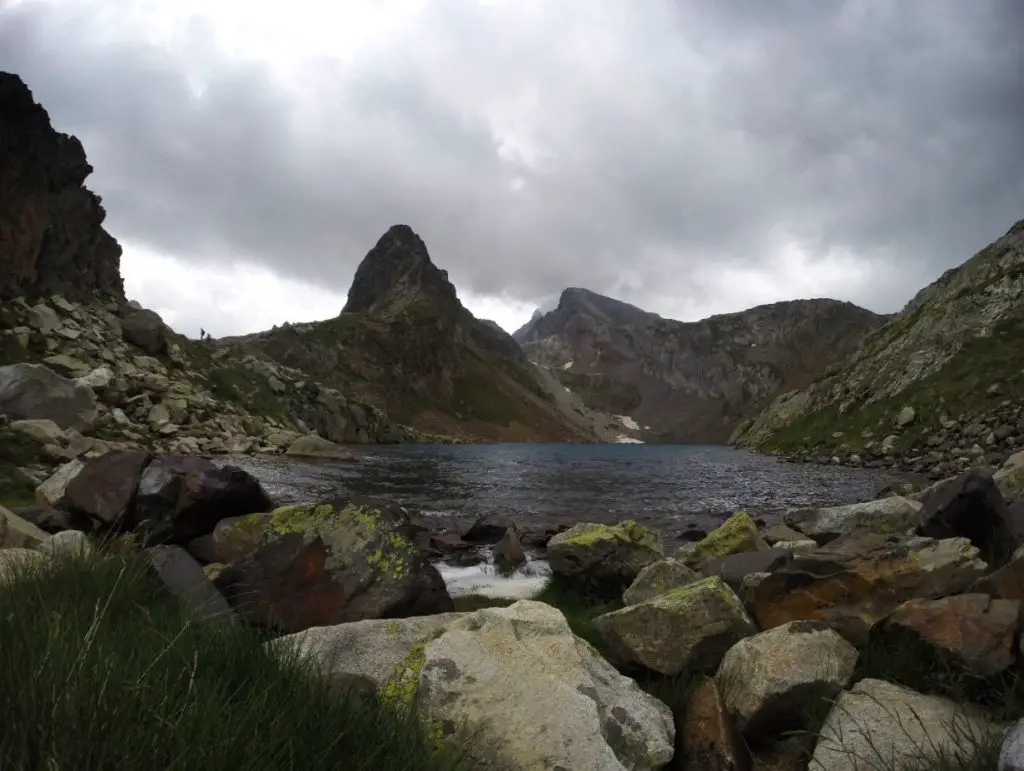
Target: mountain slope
{"x":951,"y":362}
{"x":405,"y":343}
{"x":690,"y":381}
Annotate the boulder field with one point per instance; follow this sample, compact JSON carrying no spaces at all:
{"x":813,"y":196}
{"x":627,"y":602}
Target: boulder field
{"x":809,"y":644}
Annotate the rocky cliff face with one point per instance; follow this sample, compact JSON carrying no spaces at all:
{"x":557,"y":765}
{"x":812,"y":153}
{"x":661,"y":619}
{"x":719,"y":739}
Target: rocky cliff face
{"x":405,"y":343}
{"x":51,"y":235}
{"x":690,"y":382}
{"x":935,"y":387}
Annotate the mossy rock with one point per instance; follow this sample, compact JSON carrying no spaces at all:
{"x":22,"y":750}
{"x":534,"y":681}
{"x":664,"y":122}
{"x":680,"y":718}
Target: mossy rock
{"x":603,"y":559}
{"x":737,"y":534}
{"x":324,"y":563}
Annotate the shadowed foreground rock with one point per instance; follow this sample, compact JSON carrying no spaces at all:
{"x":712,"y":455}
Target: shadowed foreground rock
{"x":878,"y":726}
{"x":708,"y":739}
{"x":972,"y":630}
{"x":326,"y":563}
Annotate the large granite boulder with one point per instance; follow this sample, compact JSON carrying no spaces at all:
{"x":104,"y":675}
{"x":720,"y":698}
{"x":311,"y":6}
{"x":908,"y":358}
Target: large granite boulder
{"x":973,"y":631}
{"x":770,"y":680}
{"x":327,"y":563}
{"x":604,"y":559}
{"x":314,"y":446}
{"x":879,"y":726}
{"x":104,"y":489}
{"x":181,"y":497}
{"x":857,"y":580}
{"x":145,"y":329}
{"x":971,"y":506}
{"x":536,"y":696}
{"x":35,"y":392}
{"x":887,"y":516}
{"x":689,"y":628}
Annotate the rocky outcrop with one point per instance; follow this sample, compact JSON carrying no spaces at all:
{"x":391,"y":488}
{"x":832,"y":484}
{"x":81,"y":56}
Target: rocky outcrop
{"x":934,"y":390}
{"x":689,"y":382}
{"x":405,"y":343}
{"x":51,"y":231}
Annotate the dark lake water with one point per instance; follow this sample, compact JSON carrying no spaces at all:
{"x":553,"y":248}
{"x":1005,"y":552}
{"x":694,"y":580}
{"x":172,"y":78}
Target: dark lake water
{"x":666,"y":484}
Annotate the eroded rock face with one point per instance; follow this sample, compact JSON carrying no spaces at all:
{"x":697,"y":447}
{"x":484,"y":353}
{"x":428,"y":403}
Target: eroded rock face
{"x":973,"y":630}
{"x":769,"y":680}
{"x":857,"y":580}
{"x":603,"y":558}
{"x":331,"y":562}
{"x":51,"y":234}
{"x":877,"y":726}
{"x":689,"y":628}
{"x":540,"y":697}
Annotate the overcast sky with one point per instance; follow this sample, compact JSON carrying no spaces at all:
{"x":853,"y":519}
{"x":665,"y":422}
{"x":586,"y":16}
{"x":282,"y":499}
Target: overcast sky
{"x":689,"y":157}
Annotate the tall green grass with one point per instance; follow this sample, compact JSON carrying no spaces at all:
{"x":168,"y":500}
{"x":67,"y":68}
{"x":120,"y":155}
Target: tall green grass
{"x":100,"y":668}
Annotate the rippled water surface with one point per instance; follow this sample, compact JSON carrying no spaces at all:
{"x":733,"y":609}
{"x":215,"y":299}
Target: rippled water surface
{"x":685,"y":484}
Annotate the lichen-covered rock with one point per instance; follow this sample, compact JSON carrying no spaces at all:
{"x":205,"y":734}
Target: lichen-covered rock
{"x":689,"y":628}
{"x":887,"y":516}
{"x":972,"y":630}
{"x":377,"y":649}
{"x":603,"y":558}
{"x":709,"y":740}
{"x":736,"y":534}
{"x":658,"y":578}
{"x":770,"y":680}
{"x":326,"y":563}
{"x":536,"y":697}
{"x":67,"y":543}
{"x":879,"y":726}
{"x":857,"y":580}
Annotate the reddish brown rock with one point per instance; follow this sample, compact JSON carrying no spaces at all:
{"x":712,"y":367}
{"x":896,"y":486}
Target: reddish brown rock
{"x":708,"y":739}
{"x":104,"y":490}
{"x":973,"y":630}
{"x":858,"y":580}
{"x":1007,"y":583}
{"x":51,"y":234}
{"x":331,"y":562}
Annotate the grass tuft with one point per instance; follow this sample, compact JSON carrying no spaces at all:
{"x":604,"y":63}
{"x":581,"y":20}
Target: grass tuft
{"x":100,"y":668}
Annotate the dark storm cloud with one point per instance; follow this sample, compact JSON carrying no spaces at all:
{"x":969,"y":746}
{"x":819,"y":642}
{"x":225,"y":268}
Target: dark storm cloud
{"x":662,"y":138}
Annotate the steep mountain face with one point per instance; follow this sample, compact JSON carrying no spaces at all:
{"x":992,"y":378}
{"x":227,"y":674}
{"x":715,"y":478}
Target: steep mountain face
{"x":938,"y":385}
{"x":690,"y":381}
{"x":405,"y":343}
{"x":52,"y":239}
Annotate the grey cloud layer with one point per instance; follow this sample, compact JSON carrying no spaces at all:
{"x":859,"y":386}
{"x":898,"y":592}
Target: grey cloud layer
{"x":660,"y":137}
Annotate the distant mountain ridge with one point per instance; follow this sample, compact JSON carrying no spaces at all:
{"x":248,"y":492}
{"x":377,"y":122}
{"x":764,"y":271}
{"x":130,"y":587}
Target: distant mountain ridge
{"x":936,"y":386}
{"x":690,"y":381}
{"x":406,"y":344}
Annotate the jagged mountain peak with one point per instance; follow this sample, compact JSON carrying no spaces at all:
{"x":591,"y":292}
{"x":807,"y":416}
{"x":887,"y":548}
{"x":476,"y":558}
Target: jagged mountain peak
{"x":398,"y":269}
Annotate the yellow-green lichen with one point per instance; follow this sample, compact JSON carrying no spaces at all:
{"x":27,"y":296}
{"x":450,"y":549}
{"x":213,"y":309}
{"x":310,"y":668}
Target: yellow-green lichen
{"x":394,"y":627}
{"x":736,"y":534}
{"x":630,"y":531}
{"x":679,"y":597}
{"x":400,"y":689}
